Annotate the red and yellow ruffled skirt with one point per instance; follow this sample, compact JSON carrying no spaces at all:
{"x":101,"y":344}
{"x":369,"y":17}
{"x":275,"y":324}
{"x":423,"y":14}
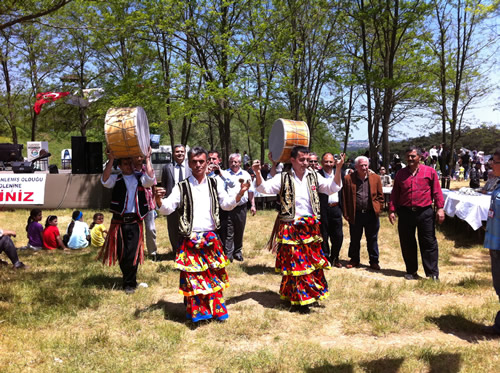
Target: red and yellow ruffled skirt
{"x":301,"y":261}
{"x":203,"y":276}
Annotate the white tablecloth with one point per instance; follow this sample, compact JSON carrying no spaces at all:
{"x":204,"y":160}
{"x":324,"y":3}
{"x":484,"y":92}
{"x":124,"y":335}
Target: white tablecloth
{"x":472,"y":209}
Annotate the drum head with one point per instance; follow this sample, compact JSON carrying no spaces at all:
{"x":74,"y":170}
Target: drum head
{"x":277,"y":139}
{"x":142,"y":126}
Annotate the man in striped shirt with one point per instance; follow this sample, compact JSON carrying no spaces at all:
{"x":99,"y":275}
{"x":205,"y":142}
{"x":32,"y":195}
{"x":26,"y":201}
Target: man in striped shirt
{"x":415,"y":188}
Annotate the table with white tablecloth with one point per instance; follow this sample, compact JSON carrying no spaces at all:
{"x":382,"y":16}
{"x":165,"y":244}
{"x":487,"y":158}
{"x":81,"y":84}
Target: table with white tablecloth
{"x":472,"y":209}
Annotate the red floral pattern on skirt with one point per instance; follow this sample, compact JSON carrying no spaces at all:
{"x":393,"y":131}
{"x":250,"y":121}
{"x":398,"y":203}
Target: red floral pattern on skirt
{"x":301,"y":261}
{"x":201,"y":260}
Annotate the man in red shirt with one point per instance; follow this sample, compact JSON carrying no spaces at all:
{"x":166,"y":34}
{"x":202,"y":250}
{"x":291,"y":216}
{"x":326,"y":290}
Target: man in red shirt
{"x":415,"y":188}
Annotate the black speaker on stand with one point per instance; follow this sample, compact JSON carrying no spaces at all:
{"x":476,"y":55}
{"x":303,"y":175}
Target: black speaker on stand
{"x":94,"y":157}
{"x":78,"y":155}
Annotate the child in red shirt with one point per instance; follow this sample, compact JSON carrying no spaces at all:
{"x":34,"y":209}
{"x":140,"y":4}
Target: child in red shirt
{"x":51,"y":236}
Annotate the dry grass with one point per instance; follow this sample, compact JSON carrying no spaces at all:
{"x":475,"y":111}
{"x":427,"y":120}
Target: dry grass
{"x":66,"y":313}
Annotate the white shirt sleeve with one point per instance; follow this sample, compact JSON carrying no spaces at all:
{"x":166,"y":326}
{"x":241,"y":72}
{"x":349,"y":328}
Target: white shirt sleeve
{"x":328,"y":186}
{"x":110,"y":183}
{"x":146,"y":181}
{"x":271,"y":186}
{"x":170,"y":204}
{"x":226,"y":201}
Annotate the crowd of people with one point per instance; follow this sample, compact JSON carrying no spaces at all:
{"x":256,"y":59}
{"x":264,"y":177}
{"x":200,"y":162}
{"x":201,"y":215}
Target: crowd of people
{"x":207,"y":207}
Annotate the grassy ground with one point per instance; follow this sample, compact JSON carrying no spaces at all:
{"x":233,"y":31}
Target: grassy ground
{"x":67,"y":313}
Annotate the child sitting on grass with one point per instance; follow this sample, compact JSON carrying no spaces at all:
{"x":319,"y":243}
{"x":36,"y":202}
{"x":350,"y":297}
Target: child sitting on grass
{"x":35,"y":230}
{"x":98,"y":231}
{"x":51,"y":236}
{"x":78,"y":232}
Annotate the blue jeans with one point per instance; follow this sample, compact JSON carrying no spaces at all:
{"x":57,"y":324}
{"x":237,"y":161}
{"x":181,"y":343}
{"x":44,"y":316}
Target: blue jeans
{"x":371,"y":224}
{"x":495,"y":274}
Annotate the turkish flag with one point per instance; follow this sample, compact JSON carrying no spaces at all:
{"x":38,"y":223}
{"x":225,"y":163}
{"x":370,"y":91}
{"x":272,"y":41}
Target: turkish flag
{"x":46,"y":97}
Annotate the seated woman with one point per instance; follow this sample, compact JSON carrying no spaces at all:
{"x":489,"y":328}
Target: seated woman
{"x":51,"y":236}
{"x":78,"y":232}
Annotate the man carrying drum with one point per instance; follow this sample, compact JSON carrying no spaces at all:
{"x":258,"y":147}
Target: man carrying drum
{"x":124,"y":242}
{"x":300,"y":258}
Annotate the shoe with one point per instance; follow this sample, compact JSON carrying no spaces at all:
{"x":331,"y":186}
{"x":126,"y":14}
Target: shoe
{"x":491,"y":330}
{"x":337,"y":264}
{"x":300,"y":309}
{"x":142,"y":285}
{"x":434,"y":278}
{"x":20,"y":265}
{"x":412,"y":276}
{"x":375,"y":266}
{"x":129,"y":290}
{"x":153,"y":257}
{"x":352,"y":264}
{"x":239,"y":258}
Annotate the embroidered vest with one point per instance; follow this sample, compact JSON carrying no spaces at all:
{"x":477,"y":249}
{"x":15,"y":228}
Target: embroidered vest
{"x":287,"y":195}
{"x":119,"y":197}
{"x":185,"y":208}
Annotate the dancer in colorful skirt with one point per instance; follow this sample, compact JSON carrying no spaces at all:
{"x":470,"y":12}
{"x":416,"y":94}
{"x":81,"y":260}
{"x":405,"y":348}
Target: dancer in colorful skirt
{"x":200,"y":257}
{"x":296,"y":237}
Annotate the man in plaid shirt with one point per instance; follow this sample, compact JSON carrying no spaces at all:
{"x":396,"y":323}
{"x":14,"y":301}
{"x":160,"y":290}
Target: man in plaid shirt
{"x":415,"y":188}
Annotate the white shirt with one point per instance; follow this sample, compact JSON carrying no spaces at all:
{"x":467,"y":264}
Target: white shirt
{"x":302,"y":201}
{"x":334,"y":197}
{"x":433,"y":152}
{"x":131,"y":183}
{"x":234,"y":186}
{"x":202,"y":209}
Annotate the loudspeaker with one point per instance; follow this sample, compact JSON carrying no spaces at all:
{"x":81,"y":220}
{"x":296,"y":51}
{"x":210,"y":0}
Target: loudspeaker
{"x":94,"y":157}
{"x":78,"y":155}
{"x":53,"y":169}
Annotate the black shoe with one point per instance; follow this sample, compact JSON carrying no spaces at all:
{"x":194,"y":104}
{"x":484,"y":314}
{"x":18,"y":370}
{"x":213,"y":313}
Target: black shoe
{"x":239,"y":258}
{"x":491,"y":330}
{"x":336,"y":263}
{"x":20,"y":265}
{"x":412,"y":276}
{"x":129,"y":290}
{"x":300,"y":309}
{"x":352,"y":264}
{"x":434,"y":278}
{"x":375,"y":266}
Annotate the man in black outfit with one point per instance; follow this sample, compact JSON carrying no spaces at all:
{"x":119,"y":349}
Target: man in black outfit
{"x":331,"y":213}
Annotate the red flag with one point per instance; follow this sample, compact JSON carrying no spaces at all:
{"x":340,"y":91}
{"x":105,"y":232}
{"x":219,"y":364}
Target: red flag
{"x":46,"y":97}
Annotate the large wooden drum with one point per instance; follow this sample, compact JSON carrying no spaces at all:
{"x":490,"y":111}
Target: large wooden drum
{"x":127,"y":132}
{"x":286,"y":134}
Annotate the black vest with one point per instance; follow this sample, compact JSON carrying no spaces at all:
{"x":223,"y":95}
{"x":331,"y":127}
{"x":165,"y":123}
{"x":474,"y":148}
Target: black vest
{"x":119,"y":197}
{"x":287,"y":195}
{"x":185,"y":208}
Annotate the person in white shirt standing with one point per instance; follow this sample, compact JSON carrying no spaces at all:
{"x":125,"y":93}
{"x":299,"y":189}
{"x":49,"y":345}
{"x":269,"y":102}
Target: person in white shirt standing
{"x":200,"y":258}
{"x":234,"y":224}
{"x":300,"y":258}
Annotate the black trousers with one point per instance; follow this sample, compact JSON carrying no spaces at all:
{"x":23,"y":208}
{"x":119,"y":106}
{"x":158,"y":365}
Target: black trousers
{"x":422,"y":220}
{"x":370,"y":223}
{"x":9,"y":248}
{"x":173,"y":230}
{"x":126,"y":250}
{"x":233,"y":226}
{"x":331,"y":231}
